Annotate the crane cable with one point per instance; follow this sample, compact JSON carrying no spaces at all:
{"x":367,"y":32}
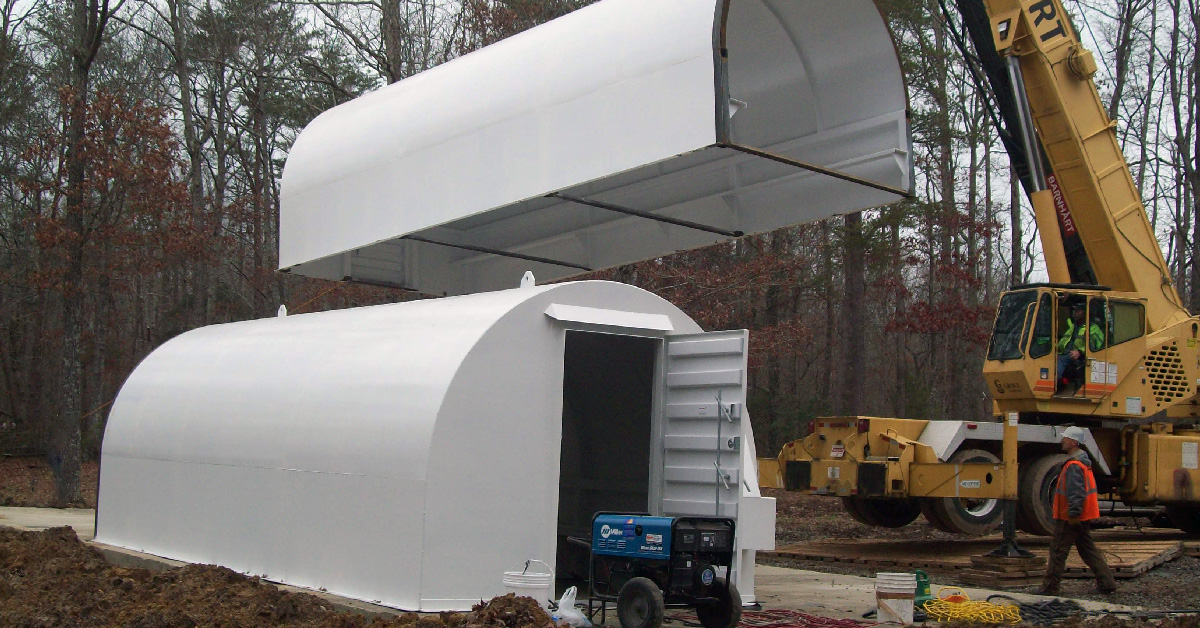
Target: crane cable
{"x":988,"y":96}
{"x":985,"y":94}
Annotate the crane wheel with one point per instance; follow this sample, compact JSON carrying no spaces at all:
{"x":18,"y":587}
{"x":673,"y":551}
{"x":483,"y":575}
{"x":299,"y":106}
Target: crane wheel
{"x":1186,"y":517}
{"x":884,"y":513}
{"x":853,"y":507}
{"x":1035,"y":494}
{"x":965,"y":516}
{"x":932,"y":516}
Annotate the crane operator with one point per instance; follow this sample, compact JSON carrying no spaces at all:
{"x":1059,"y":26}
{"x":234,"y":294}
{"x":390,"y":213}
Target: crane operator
{"x":1075,"y":341}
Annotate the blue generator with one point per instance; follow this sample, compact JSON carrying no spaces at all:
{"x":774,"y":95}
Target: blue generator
{"x":649,"y":563}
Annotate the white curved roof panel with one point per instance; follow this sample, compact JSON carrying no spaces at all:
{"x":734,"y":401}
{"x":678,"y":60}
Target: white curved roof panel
{"x":624,"y":131}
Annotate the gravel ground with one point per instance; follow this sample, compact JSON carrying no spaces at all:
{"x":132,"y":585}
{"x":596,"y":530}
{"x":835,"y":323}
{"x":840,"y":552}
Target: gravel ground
{"x":800,"y":518}
{"x":1173,"y":586}
{"x":51,"y":579}
{"x":26,"y":481}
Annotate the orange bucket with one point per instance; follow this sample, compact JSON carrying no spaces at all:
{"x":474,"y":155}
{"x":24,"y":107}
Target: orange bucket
{"x":945,"y":594}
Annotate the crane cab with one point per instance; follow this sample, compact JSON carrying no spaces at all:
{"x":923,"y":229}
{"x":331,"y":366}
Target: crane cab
{"x":1054,"y":347}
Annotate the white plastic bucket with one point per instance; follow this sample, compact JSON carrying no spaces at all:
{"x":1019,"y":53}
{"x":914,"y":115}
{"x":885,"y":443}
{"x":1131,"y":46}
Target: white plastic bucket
{"x":894,"y":593}
{"x":896,"y":582}
{"x":538,"y":585}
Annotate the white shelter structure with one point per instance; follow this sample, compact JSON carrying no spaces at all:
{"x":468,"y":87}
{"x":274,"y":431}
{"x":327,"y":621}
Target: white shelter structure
{"x":624,"y":131}
{"x":409,"y":454}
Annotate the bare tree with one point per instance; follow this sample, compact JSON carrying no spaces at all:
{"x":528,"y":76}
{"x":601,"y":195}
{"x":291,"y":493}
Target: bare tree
{"x":89,"y":19}
{"x":398,"y":38}
{"x":854,"y":343}
{"x":1183,"y":71}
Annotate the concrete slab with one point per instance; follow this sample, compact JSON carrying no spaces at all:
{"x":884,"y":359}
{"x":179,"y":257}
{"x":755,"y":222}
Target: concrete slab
{"x":122,"y":557}
{"x":83,"y":520}
{"x":848,"y":597}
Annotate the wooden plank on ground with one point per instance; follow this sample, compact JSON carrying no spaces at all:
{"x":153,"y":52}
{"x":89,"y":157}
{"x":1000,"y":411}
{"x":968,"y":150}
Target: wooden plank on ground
{"x":1129,"y":553}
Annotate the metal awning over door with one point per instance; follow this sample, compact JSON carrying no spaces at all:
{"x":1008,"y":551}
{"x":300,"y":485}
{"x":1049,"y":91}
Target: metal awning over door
{"x":624,"y":131}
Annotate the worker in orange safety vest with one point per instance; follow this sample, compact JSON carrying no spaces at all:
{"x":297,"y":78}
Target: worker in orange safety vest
{"x":1076,"y":504}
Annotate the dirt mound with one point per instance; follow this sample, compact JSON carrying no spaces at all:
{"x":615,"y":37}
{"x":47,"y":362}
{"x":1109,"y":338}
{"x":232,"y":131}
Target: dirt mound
{"x":510,"y":611}
{"x":51,"y":578}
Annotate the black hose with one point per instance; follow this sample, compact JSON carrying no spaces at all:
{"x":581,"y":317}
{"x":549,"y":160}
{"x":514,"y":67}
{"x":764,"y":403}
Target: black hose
{"x":1156,"y":614}
{"x":1046,"y":612}
{"x":1053,"y":611}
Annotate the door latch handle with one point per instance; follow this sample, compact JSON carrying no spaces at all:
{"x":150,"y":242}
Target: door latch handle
{"x":722,"y":476}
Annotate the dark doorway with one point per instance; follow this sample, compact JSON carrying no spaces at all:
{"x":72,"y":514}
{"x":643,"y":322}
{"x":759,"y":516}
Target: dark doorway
{"x":608,"y":400}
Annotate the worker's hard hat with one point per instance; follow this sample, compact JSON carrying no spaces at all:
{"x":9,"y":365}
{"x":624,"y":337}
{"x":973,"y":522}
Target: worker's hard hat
{"x":1078,"y":305}
{"x":1074,"y":433}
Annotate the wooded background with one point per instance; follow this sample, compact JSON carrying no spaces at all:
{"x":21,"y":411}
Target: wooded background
{"x":142,"y":141}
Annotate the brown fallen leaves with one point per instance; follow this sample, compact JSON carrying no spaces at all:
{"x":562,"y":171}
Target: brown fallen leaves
{"x":26,"y":481}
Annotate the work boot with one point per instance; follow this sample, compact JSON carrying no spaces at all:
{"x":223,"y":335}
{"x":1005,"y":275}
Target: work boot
{"x":1052,"y":591}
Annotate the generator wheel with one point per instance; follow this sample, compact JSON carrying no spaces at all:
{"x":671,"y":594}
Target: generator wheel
{"x":640,"y":604}
{"x":885,"y":513}
{"x":1186,"y":517}
{"x":965,"y":516}
{"x":726,"y":612}
{"x":1035,"y":494}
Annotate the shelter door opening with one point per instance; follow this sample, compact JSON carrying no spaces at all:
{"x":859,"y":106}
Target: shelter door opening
{"x":608,"y":403}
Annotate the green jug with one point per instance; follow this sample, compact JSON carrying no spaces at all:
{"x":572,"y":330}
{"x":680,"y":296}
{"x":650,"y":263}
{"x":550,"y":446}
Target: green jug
{"x":924,"y":594}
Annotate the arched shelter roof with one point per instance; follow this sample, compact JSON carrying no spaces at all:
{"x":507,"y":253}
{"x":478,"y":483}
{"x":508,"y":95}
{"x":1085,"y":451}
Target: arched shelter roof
{"x":358,"y":451}
{"x":621,"y":132}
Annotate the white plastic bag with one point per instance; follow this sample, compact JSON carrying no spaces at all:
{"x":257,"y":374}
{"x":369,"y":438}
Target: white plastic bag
{"x":567,"y":614}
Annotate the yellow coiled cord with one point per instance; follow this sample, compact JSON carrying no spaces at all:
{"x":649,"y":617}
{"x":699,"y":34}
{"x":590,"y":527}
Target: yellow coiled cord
{"x":955,"y":605}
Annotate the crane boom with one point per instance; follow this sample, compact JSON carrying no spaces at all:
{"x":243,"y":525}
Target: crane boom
{"x":1092,"y":222}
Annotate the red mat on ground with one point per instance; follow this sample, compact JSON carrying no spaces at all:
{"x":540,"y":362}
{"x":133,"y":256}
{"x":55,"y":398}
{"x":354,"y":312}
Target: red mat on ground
{"x":780,"y":618}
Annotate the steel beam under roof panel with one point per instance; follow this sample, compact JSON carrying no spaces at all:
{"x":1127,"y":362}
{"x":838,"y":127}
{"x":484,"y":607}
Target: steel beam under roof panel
{"x":455,"y":180}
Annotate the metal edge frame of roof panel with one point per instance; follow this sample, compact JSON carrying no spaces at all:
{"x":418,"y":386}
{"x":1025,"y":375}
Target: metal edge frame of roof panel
{"x":590,"y":142}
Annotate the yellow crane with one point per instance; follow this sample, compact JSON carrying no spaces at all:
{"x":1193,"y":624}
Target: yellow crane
{"x":1132,"y":384}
